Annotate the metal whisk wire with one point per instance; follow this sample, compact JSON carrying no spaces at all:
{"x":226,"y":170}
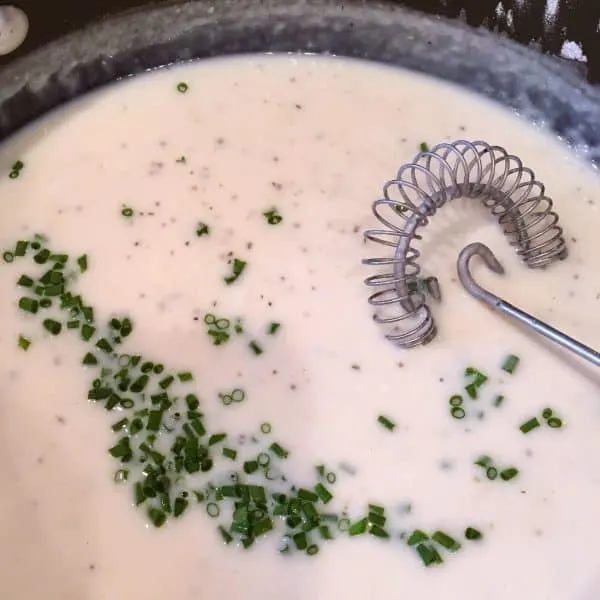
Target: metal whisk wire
{"x":498,"y":304}
{"x":448,"y":171}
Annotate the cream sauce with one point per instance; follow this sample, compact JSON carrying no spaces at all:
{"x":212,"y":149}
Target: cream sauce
{"x":315,"y":138}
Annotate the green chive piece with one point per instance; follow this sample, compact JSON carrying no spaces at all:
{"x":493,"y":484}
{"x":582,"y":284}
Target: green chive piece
{"x":256,"y":349}
{"x":8,"y":257}
{"x":323,"y":493}
{"x":89,"y":359}
{"x":51,"y":326}
{"x":472,"y":534}
{"x":417,"y":537}
{"x":16,"y":169}
{"x":491,"y":473}
{"x":457,"y":412}
{"x":273,"y":217}
{"x":444,"y":540}
{"x":238,"y":268}
{"x":278,"y":450}
{"x":25,"y":281}
{"x":266,"y":428}
{"x":359,"y":527}
{"x":429,"y":555}
{"x":157,"y":517}
{"x":455,"y":400}
{"x":387,"y":423}
{"x":21,"y":248}
{"x":24,"y":343}
{"x":230,"y":453}
{"x":182,"y":87}
{"x":29,"y":305}
{"x":510,"y":363}
{"x":82,"y":261}
{"x":273,"y":328}
{"x":127,"y":211}
{"x":555,"y":422}
{"x":225,"y":535}
{"x":529,"y":425}
{"x":547,"y":413}
{"x":498,"y":401}
{"x":423,"y":147}
{"x":202,"y":229}
{"x":508,"y":474}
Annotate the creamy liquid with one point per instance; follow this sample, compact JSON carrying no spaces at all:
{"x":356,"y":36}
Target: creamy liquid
{"x":316,"y":138}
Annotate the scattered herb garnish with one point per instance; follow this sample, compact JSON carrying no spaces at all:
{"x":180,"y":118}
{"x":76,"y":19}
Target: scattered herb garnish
{"x":24,"y":343}
{"x":16,"y":169}
{"x":238,"y":268}
{"x":511,"y":362}
{"x":273,"y":217}
{"x":127,"y":212}
{"x":387,"y":423}
{"x":424,"y":147}
{"x":182,"y":87}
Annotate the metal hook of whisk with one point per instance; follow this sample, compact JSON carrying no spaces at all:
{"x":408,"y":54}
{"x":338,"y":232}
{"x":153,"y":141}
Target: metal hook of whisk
{"x":500,"y":305}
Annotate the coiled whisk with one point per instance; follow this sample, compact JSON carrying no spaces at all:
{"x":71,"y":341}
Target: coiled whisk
{"x":452,"y":170}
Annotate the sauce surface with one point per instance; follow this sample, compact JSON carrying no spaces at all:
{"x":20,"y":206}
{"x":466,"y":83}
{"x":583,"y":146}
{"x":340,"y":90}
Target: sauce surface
{"x":130,"y":176}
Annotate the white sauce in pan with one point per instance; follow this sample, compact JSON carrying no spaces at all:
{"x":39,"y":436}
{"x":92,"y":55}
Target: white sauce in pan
{"x":313,"y":139}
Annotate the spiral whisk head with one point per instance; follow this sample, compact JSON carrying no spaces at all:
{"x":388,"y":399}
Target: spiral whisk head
{"x":448,"y":171}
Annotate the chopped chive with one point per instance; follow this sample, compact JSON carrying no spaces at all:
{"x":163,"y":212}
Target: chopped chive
{"x":25,"y":281}
{"x":238,"y":268}
{"x":51,"y":326}
{"x":278,"y":450}
{"x":555,"y":422}
{"x":185,"y":377}
{"x":300,"y":540}
{"x":24,"y":343}
{"x":157,"y":517}
{"x":529,"y":425}
{"x":213,"y":510}
{"x":429,"y":555}
{"x":202,"y":229}
{"x":423,"y":147}
{"x":417,"y":537}
{"x":445,"y":541}
{"x":457,"y":412}
{"x":182,"y":87}
{"x":324,"y":494}
{"x":547,"y":413}
{"x":491,"y":473}
{"x":256,"y":349}
{"x":455,"y":400}
{"x":508,"y":474}
{"x":216,"y":438}
{"x":230,"y":453}
{"x":127,"y":211}
{"x":121,"y":476}
{"x":312,"y":550}
{"x":273,"y":217}
{"x":225,"y":535}
{"x":472,"y":534}
{"x":387,"y":423}
{"x":510,"y":363}
{"x":359,"y":527}
{"x":89,"y":359}
{"x":266,"y":428}
{"x":82,"y":261}
{"x":498,"y":400}
{"x":8,"y":257}
{"x":379,"y":532}
{"x":471,"y":390}
{"x":273,"y":328}
{"x":29,"y":305}
{"x":179,"y":507}
{"x":21,"y":248}
{"x":343,"y":524}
